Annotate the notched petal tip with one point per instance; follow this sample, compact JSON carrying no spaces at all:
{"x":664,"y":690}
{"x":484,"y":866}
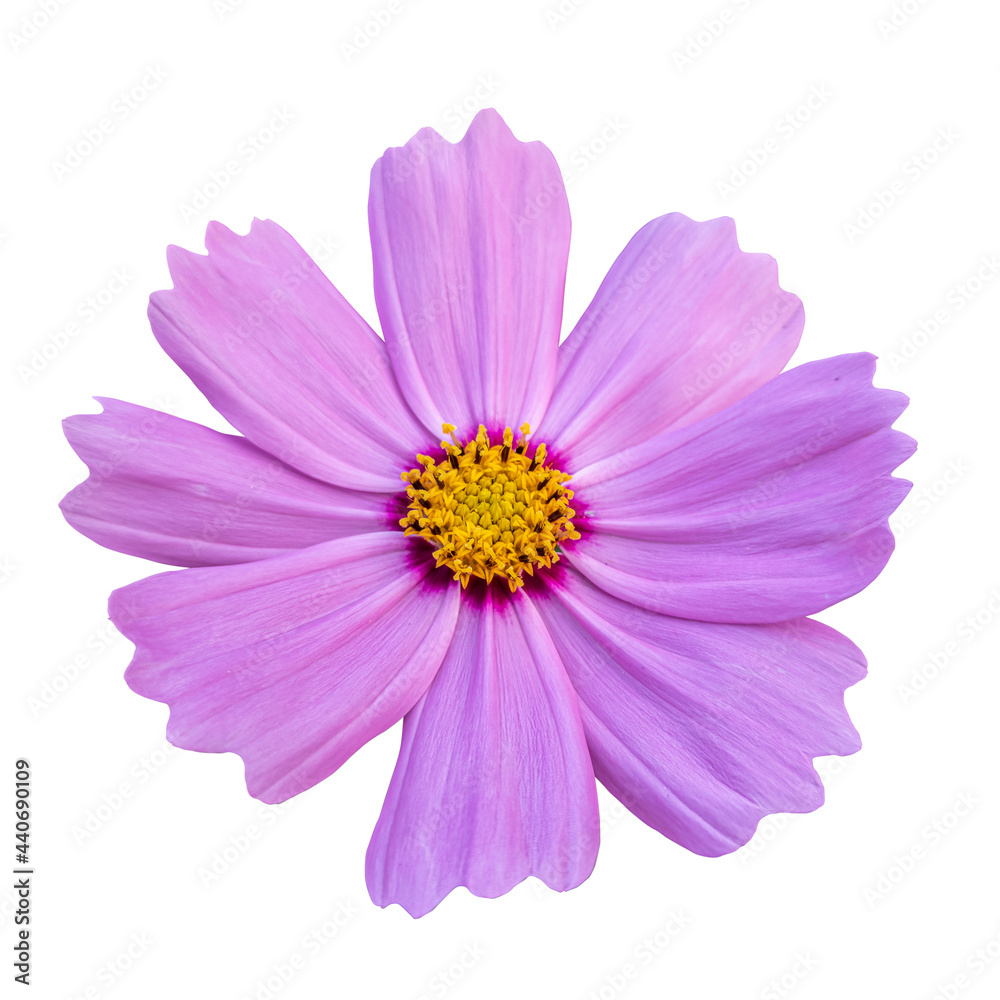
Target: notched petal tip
{"x":416,"y":909}
{"x":262,"y":791}
{"x":422,"y":141}
{"x":489,"y":118}
{"x":219,"y":240}
{"x":109,"y":405}
{"x":487,"y":128}
{"x":180,"y":259}
{"x":486,"y":121}
{"x":489,"y":125}
{"x":763,"y":267}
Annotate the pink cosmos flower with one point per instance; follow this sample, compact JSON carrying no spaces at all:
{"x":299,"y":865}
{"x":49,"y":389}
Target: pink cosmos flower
{"x":348,"y":568}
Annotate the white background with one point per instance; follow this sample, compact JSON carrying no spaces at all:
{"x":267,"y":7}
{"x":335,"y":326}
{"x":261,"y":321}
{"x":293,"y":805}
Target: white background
{"x":818,"y":906}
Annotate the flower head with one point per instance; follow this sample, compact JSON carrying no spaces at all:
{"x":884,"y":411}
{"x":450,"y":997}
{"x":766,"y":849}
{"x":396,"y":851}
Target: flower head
{"x":490,"y":510}
{"x":347,"y":567}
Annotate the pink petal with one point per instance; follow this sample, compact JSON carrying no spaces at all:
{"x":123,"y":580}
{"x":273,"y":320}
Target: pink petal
{"x":281,"y":355}
{"x":684,"y":324}
{"x":176,"y":492}
{"x":772,"y":509}
{"x":293,"y":662}
{"x":702,"y":729}
{"x":494,"y":782}
{"x":470,"y":242}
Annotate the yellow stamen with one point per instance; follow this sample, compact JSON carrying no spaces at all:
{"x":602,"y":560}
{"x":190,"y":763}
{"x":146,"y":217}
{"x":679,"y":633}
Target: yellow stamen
{"x":491,"y":510}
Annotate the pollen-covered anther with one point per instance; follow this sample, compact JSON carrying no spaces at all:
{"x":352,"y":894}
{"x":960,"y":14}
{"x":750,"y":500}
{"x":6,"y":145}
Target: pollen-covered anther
{"x":490,"y":510}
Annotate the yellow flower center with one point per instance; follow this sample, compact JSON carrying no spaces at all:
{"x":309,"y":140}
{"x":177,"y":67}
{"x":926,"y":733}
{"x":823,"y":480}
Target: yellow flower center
{"x":490,"y":510}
